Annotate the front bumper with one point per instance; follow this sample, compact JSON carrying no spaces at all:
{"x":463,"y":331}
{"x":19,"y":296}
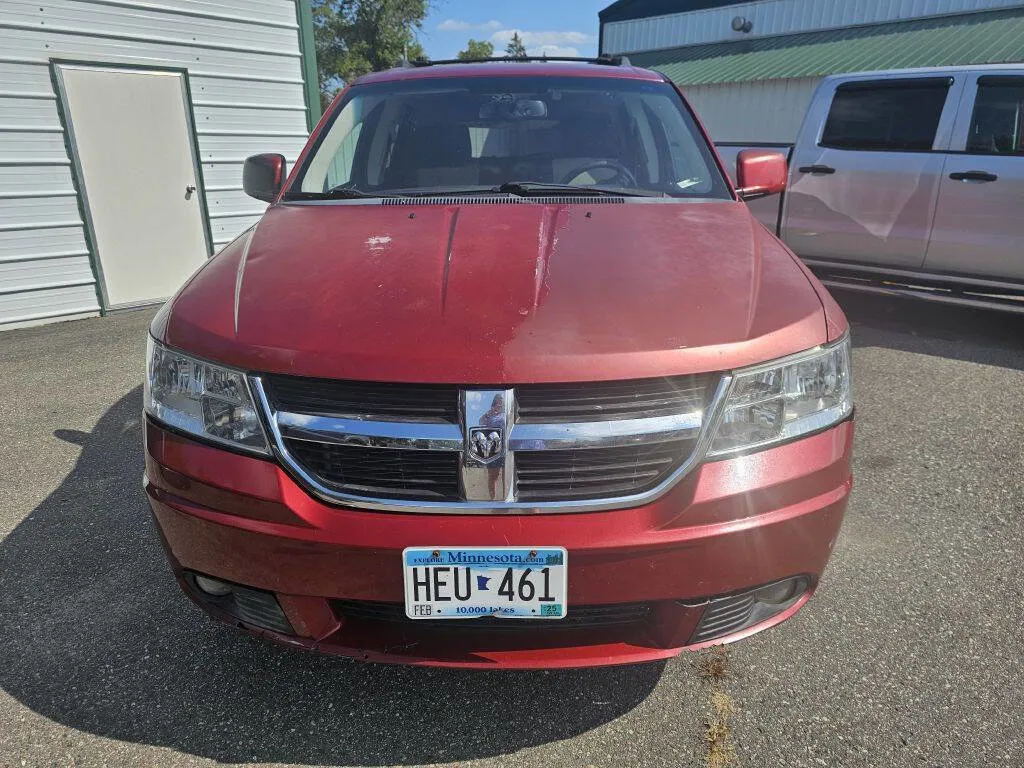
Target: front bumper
{"x":727,"y":527}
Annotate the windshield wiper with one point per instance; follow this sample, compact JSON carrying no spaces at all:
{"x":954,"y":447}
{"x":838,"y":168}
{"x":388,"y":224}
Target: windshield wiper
{"x":544,"y":188}
{"x":337,"y":193}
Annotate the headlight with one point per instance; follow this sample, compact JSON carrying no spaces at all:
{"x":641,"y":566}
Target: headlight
{"x":206,"y":400}
{"x":784,"y":399}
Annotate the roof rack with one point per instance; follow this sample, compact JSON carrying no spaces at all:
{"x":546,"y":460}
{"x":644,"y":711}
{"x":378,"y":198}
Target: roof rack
{"x":605,"y":59}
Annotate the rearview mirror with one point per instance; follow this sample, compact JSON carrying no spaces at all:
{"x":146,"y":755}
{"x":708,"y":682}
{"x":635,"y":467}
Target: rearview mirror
{"x":507,"y":107}
{"x":760,"y":173}
{"x":263,"y":176}
{"x":531,"y":109}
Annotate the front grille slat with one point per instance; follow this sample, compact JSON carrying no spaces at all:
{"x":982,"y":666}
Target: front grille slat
{"x":596,"y":472}
{"x":584,"y":476}
{"x":723,"y":616}
{"x":548,"y":461}
{"x":589,"y":411}
{"x":570,"y":493}
{"x":367,"y":400}
{"x":623,"y":400}
{"x":386,"y":472}
{"x":578,"y":617}
{"x":727,"y":618}
{"x":540,"y":474}
{"x":588,"y":485}
{"x":602,"y":400}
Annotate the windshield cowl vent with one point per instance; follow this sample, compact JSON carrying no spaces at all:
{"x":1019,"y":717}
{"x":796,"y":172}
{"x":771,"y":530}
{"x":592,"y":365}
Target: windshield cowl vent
{"x":503,"y":200}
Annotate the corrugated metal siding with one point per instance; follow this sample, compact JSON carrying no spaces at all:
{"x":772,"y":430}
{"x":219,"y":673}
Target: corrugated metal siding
{"x":245,"y":77}
{"x":774,"y":17}
{"x":779,"y":105}
{"x":992,"y":37}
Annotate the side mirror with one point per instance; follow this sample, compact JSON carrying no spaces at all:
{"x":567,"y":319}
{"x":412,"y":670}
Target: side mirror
{"x":263,"y":176}
{"x":760,"y":173}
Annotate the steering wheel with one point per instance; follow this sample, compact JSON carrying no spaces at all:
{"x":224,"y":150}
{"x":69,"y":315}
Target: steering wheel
{"x":622,"y":173}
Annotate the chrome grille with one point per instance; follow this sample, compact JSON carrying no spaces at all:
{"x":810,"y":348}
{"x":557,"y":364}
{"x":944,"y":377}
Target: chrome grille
{"x":399,"y":474}
{"x":328,"y":397}
{"x":439,"y":448}
{"x":613,"y":399}
{"x":594,"y":473}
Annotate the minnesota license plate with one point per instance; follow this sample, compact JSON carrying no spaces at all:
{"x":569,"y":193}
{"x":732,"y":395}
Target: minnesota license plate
{"x":470,"y":582}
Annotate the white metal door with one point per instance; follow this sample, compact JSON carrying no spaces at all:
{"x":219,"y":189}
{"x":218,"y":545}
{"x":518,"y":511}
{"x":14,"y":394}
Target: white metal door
{"x":131,"y":135}
{"x":979,"y":228}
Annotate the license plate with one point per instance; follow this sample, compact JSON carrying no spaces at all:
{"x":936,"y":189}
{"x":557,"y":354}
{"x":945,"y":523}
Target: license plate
{"x":471,"y":582}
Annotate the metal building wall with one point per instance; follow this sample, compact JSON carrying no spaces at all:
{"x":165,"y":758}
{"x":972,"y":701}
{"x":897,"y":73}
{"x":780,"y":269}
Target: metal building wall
{"x":773,"y":17}
{"x":246,"y":76}
{"x":779,"y":105}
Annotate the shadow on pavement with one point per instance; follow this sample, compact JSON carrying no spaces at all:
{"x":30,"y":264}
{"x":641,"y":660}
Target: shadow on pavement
{"x":959,"y":333}
{"x":95,"y":635}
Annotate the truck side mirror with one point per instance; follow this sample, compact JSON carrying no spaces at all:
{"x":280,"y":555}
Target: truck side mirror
{"x":263,"y":176}
{"x":760,"y":173}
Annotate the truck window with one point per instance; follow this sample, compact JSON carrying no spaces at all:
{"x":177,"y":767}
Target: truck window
{"x":996,"y":122}
{"x":886,"y":115}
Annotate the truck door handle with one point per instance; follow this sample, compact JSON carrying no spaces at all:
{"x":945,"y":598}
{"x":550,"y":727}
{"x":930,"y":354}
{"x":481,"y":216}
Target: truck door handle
{"x":822,"y":169}
{"x":973,"y":176}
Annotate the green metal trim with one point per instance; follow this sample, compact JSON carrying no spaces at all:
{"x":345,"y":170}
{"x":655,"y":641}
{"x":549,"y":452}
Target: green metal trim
{"x":989,"y":37}
{"x":307,"y":45}
{"x":198,"y":158}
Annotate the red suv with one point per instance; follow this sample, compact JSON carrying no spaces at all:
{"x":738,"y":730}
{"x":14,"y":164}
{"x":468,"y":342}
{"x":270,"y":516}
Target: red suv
{"x":506,"y":376}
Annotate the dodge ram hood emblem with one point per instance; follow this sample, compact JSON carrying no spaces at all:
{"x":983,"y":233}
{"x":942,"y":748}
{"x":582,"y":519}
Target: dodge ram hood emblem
{"x":485,"y":443}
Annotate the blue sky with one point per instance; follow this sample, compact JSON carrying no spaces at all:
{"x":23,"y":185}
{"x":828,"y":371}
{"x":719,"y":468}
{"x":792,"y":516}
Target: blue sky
{"x":552,"y":27}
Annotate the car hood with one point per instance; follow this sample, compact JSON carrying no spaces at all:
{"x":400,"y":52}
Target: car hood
{"x":485,"y":293}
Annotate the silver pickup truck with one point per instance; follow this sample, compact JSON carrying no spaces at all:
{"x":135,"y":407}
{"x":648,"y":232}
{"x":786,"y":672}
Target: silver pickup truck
{"x":909,"y":182}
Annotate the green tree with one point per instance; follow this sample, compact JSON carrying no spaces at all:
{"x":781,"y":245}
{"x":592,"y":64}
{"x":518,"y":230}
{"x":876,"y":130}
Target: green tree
{"x":477,"y":49}
{"x":515,"y":47}
{"x":415,"y":52}
{"x":354,"y":37}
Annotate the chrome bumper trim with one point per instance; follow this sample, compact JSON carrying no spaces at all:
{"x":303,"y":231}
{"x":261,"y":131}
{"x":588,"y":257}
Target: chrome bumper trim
{"x":604,"y":434}
{"x":523,"y":436}
{"x":422,"y":436}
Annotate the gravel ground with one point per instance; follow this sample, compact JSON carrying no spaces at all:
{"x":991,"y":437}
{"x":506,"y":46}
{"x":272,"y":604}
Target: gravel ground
{"x":909,"y":655}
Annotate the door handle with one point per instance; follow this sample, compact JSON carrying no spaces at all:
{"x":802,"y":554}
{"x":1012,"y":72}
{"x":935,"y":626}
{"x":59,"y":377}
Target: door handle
{"x":189,"y":190}
{"x":817,"y":169}
{"x":973,"y":176}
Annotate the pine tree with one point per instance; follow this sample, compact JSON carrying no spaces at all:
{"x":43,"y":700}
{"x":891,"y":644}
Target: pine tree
{"x":515,"y":48}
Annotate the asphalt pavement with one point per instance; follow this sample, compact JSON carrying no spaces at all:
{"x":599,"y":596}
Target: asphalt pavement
{"x":910,"y":654}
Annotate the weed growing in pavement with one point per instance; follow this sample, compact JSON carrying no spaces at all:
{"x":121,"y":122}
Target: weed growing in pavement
{"x":714,"y":665}
{"x":714,"y":668}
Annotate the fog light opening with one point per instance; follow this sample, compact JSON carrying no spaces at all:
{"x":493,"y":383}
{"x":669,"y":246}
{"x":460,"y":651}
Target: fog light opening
{"x":781,"y":592}
{"x":734,"y":613}
{"x":212,"y":587}
{"x":256,"y":607}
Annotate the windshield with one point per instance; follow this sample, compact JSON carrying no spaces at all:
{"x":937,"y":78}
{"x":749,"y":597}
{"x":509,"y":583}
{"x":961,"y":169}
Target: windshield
{"x":438,"y":136}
